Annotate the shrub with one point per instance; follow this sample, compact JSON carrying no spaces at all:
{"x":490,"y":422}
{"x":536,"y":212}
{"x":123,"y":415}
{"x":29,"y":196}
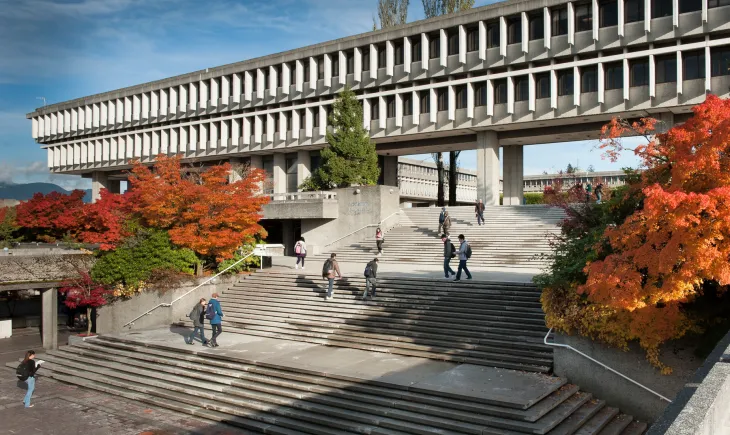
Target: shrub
{"x":251,"y":262}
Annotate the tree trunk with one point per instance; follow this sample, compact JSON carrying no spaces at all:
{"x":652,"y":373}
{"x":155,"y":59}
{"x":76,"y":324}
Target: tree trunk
{"x":440,"y":169}
{"x":88,"y":321}
{"x":453,"y":155}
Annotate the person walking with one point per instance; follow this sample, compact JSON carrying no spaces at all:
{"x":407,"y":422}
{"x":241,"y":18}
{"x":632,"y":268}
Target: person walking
{"x":379,"y":239}
{"x":588,"y":192}
{"x":331,"y":270}
{"x":442,"y":217}
{"x":371,"y":277}
{"x":464,"y":255}
{"x":449,"y":253}
{"x":26,"y":373}
{"x":479,"y":210}
{"x":599,"y":192}
{"x":447,"y":223}
{"x":214,"y":314}
{"x":300,"y":250}
{"x":197,"y":315}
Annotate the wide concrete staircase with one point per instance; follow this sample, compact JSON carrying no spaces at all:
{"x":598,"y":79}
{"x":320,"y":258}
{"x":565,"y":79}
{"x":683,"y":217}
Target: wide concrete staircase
{"x":512,"y":237}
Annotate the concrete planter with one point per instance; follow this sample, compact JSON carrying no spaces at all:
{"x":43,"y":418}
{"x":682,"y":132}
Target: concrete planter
{"x":6,"y":328}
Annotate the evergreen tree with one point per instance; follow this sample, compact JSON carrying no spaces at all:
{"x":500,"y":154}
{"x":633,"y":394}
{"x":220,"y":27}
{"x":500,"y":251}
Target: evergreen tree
{"x":350,"y":157}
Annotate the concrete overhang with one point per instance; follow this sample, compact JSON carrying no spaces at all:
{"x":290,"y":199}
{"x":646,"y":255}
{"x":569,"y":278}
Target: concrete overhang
{"x":302,"y":209}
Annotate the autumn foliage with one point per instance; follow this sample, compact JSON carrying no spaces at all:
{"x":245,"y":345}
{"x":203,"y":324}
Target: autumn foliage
{"x":84,"y":292}
{"x":51,"y":216}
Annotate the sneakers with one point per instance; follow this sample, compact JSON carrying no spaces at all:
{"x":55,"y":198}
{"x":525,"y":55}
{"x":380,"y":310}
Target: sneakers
{"x":296,"y":266}
{"x":457,"y":280}
{"x":302,"y":267}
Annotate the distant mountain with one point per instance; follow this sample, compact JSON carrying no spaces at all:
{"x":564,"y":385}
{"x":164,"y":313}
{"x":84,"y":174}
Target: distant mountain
{"x":23,"y":192}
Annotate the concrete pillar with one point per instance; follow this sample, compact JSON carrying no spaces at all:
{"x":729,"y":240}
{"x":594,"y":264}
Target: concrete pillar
{"x":513,"y":175}
{"x":304,"y":166}
{"x":234,"y":176}
{"x":99,"y":180}
{"x":49,"y":301}
{"x":115,"y":186}
{"x":390,"y":170}
{"x":488,"y":167}
{"x":280,"y":173}
{"x":257,"y":162}
{"x":287,"y":236}
{"x":666,"y":122}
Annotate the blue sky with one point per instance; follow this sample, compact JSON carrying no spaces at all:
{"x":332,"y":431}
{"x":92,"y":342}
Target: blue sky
{"x":65,"y":49}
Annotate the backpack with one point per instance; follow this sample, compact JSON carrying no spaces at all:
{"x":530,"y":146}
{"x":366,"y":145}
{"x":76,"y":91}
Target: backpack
{"x":468,"y":251}
{"x":22,"y":371}
{"x":210,"y":312}
{"x":326,"y":268}
{"x":453,"y":250}
{"x":298,"y":248}
{"x":368,"y":271}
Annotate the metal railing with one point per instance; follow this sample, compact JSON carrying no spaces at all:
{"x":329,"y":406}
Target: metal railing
{"x":602,"y":365}
{"x":187,"y":293}
{"x":362,"y":228}
{"x":293,"y":196}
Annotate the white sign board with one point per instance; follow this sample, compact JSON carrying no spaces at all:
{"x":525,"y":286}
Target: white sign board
{"x":273,"y":250}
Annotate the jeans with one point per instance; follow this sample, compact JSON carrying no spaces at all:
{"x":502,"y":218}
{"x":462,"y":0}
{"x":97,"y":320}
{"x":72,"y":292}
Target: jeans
{"x":598,"y":196}
{"x":480,"y":218}
{"x":31,"y":386}
{"x":197,"y":329}
{"x":300,"y":257}
{"x":447,"y":267}
{"x":462,"y":266}
{"x":370,"y":282}
{"x":380,"y":245}
{"x":329,"y":287}
{"x":217,"y":330}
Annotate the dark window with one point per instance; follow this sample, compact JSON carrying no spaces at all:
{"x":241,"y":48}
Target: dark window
{"x":661,"y":8}
{"x":416,"y":48}
{"x":288,"y":121}
{"x":350,"y":62}
{"x":666,"y":68}
{"x":453,"y":41}
{"x":366,"y":59}
{"x":500,"y":91}
{"x":614,"y":75}
{"x":434,"y":46}
{"x":398,"y":53}
{"x":461,"y":100}
{"x":537,"y":26}
{"x":608,"y":13}
{"x":480,"y":94}
{"x":407,"y":104}
{"x":306,"y":70}
{"x":375,"y":108}
{"x":542,"y":85}
{"x":689,"y":6}
{"x":302,"y":119}
{"x":442,"y":97}
{"x":293,"y":73}
{"x":335,"y":65}
{"x":492,"y":35}
{"x":559,"y":18}
{"x":720,"y":61}
{"x":390,"y":105}
{"x":276,"y":121}
{"x":589,"y":79}
{"x":315,"y":118}
{"x":694,"y":65}
{"x":320,"y":68}
{"x":566,"y":81}
{"x":425,"y":103}
{"x":584,"y":17}
{"x":382,"y":58}
{"x":472,"y":39}
{"x":514,"y":30}
{"x":639,"y":72}
{"x":633,"y":10}
{"x":522,"y":88}
{"x":264,"y":124}
{"x":718,"y":3}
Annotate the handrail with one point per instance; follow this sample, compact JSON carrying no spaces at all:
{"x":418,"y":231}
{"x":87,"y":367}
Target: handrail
{"x":362,"y":228}
{"x":602,"y":365}
{"x":190,"y":291}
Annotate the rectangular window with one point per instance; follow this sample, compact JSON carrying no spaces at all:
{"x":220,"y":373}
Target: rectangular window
{"x":689,"y":6}
{"x":559,"y":19}
{"x":350,"y":62}
{"x":442,"y":97}
{"x":589,"y":79}
{"x":492,"y":35}
{"x":694,"y":65}
{"x":472,"y":39}
{"x":661,"y":8}
{"x":542,"y":85}
{"x":288,"y":121}
{"x":292,"y":73}
{"x":425,"y":102}
{"x":320,"y":68}
{"x":434,"y":46}
{"x":720,"y":61}
{"x":566,"y":80}
{"x":407,"y":104}
{"x":608,"y":13}
{"x":366,"y":59}
{"x":633,"y":11}
{"x":452,"y":39}
{"x":306,"y":70}
{"x":718,"y":3}
{"x":500,"y":91}
{"x":416,"y":48}
{"x":374,"y":109}
{"x":537,"y":26}
{"x":382,"y":58}
{"x":666,"y":68}
{"x":614,"y":75}
{"x":514,"y":30}
{"x":461,"y":100}
{"x":584,"y":17}
{"x":390,"y":105}
{"x":480,"y":94}
{"x":639,"y":72}
{"x":335,"y":65}
{"x":398,"y":53}
{"x":315,"y":118}
{"x":522,"y":88}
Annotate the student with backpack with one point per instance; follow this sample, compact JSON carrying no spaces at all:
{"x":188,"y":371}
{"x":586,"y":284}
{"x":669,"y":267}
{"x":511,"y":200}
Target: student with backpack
{"x":197,"y":315}
{"x":26,"y":373}
{"x":442,"y":218}
{"x":598,"y":192}
{"x":300,"y":250}
{"x":213,"y":313}
{"x":449,"y":253}
{"x":330,"y":270}
{"x":371,"y":277}
{"x":464,"y":255}
{"x":379,"y":239}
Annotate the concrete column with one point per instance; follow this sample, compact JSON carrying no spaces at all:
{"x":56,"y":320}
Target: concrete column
{"x":99,"y":180}
{"x":304,"y":166}
{"x":234,"y":176}
{"x":49,"y":315}
{"x":287,"y":236}
{"x":280,"y":173}
{"x":257,"y":162}
{"x":666,"y":122}
{"x":513,"y":175}
{"x":488,"y":167}
{"x":390,"y":170}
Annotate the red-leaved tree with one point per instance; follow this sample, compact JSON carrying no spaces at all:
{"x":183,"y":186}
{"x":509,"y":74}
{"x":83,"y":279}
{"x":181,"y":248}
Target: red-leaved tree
{"x":83,"y":292}
{"x":103,"y":221}
{"x":51,"y":216}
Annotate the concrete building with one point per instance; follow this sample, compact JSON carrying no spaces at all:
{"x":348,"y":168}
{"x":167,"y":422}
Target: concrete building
{"x":506,"y":75}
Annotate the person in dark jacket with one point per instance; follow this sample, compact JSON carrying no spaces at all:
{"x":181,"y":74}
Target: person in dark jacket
{"x":371,"y":279}
{"x":449,"y":252}
{"x":28,"y":376}
{"x":215,"y":322}
{"x":599,"y":192}
{"x":479,"y":211}
{"x":197,"y":315}
{"x":442,"y":217}
{"x":447,"y":224}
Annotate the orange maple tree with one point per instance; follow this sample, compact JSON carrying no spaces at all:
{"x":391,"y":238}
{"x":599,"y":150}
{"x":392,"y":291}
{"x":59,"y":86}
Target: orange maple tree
{"x":200,"y":210}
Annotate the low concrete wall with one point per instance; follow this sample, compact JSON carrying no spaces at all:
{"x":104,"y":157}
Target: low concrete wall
{"x":48,"y":267}
{"x":617,"y":391}
{"x":111,"y":318}
{"x":702,"y":407}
